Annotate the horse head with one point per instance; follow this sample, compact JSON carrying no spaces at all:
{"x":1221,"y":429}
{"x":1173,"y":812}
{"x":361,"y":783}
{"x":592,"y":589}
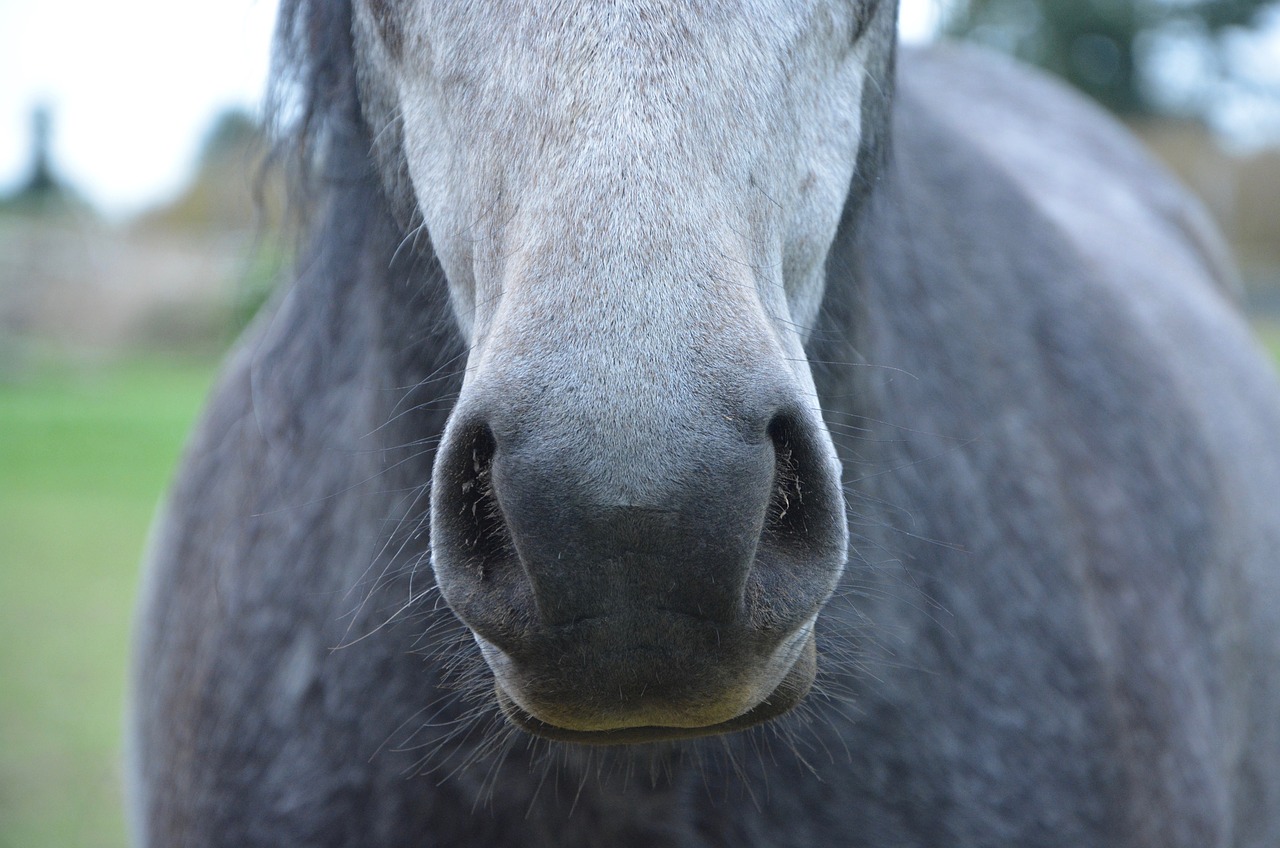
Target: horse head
{"x":636,"y":506}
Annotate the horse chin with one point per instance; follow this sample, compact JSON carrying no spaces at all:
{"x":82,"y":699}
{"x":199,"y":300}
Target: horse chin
{"x":786,"y":694}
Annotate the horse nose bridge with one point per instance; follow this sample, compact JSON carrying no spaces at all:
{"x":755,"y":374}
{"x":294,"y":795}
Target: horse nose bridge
{"x":631,"y":393}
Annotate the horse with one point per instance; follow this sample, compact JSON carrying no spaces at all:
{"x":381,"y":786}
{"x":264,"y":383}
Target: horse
{"x":705,"y":424}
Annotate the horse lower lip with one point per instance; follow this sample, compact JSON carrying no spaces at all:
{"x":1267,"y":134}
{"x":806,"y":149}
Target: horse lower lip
{"x":794,"y":685}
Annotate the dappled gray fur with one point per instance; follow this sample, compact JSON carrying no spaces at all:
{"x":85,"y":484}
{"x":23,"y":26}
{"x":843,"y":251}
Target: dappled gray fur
{"x":1057,"y":621}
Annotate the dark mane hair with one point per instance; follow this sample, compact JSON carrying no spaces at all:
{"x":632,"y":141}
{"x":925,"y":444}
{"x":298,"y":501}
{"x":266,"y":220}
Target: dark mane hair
{"x":343,"y":225}
{"x":313,"y":105}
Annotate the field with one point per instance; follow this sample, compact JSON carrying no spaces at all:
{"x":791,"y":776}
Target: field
{"x":1268,"y":330}
{"x":84,"y":455}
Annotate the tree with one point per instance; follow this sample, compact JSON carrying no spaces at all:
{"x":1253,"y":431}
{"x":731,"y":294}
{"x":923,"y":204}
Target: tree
{"x":1121,"y":52}
{"x":42,"y":181}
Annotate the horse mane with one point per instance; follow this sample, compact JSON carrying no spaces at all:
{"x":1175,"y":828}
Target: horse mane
{"x":346,"y":237}
{"x":313,"y":111}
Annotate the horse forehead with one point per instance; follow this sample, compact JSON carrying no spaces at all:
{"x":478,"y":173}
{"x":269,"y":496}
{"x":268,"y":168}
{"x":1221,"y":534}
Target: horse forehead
{"x":700,"y":42}
{"x":671,"y":78}
{"x":531,"y":20}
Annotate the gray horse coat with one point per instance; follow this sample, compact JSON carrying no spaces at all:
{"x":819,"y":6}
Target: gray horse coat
{"x":1057,"y":624}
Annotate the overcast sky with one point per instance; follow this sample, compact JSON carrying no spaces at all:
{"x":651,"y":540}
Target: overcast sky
{"x":134,"y":85}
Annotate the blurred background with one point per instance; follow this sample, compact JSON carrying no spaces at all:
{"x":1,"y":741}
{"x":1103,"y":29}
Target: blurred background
{"x":138,"y":235}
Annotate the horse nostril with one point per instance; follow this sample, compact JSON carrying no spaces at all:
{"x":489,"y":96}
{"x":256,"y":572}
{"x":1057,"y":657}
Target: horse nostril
{"x":785,"y":521}
{"x":480,"y":528}
{"x":473,"y":553}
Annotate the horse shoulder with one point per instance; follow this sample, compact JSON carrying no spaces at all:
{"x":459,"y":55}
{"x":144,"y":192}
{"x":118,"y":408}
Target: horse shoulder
{"x":1074,"y":437}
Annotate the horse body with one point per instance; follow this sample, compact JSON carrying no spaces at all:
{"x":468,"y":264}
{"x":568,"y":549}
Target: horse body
{"x":1056,"y":625}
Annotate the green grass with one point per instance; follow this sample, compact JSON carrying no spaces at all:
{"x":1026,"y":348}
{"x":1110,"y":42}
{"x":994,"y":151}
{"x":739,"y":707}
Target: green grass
{"x":84,"y":457}
{"x":1268,"y":330}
